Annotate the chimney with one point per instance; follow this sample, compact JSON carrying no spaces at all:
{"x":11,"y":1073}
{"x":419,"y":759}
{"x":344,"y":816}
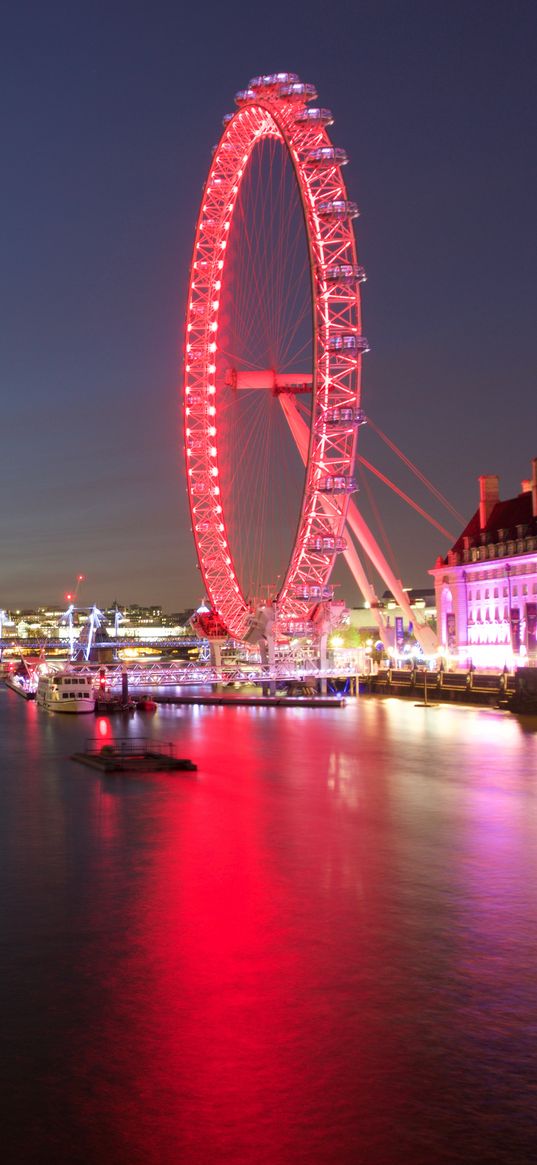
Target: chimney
{"x":534,"y":486}
{"x":489,"y":494}
{"x":525,"y":485}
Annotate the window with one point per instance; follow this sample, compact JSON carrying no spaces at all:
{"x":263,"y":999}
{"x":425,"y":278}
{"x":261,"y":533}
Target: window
{"x":495,"y":592}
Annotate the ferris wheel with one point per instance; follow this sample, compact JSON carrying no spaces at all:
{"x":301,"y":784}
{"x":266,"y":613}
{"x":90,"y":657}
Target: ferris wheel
{"x":274,"y":247}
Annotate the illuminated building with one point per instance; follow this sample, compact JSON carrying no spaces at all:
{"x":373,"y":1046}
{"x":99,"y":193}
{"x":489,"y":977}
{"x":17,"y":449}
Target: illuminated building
{"x":486,"y":587}
{"x":422,"y":601}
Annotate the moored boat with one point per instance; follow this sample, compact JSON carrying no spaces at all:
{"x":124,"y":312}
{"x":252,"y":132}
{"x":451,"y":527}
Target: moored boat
{"x":66,"y":692}
{"x":23,"y":685}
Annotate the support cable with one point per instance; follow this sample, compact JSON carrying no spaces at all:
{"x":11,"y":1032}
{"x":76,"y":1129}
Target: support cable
{"x":405,"y":497}
{"x":417,"y":472}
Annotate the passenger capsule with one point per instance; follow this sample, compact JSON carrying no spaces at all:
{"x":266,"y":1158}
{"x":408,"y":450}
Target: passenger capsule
{"x":339,"y":484}
{"x":327,"y":156}
{"x":243,"y":96}
{"x":268,"y":80}
{"x":314,"y":116}
{"x":346,"y":273}
{"x":294,"y":628}
{"x":298,"y":91}
{"x":326,"y":544}
{"x":338,"y":209}
{"x":344,"y":415}
{"x":347,"y":342}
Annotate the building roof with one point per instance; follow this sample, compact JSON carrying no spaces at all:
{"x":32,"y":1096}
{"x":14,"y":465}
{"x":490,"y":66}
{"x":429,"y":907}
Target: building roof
{"x":501,"y":525}
{"x":414,"y":594}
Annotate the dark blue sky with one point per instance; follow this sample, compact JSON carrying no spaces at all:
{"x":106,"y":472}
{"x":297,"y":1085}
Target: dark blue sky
{"x":108,"y":115}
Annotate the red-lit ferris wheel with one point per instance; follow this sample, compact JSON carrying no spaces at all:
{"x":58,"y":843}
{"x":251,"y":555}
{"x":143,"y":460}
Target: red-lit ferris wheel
{"x":246,"y":245}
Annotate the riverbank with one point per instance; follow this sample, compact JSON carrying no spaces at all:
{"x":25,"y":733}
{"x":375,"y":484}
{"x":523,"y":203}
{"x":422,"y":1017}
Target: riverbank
{"x":468,"y":687}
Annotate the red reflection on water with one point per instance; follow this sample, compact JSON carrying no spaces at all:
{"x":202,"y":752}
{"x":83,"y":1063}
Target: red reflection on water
{"x":104,"y":728}
{"x":245,"y":921}
{"x":319,"y":950}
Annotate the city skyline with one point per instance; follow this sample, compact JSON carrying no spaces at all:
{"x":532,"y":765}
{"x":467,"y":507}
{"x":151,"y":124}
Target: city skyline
{"x":110,"y":121}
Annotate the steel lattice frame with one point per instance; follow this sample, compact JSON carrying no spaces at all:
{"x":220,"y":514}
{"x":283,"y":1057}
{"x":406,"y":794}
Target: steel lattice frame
{"x":276,"y":107}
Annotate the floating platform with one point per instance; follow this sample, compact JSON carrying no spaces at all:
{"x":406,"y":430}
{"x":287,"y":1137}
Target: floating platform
{"x":258,"y":701}
{"x":133,"y":756}
{"x":112,"y":704}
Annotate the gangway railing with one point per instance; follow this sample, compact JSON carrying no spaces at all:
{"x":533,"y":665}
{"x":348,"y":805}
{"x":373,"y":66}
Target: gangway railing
{"x":129,"y":746}
{"x":157,"y":675}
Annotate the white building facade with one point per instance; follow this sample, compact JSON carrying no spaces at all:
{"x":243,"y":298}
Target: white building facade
{"x":486,"y":587}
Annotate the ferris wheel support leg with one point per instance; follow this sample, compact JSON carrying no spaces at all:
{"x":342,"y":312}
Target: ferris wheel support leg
{"x":216,"y":657}
{"x":272,"y":662}
{"x":356,"y":568}
{"x":323,"y":644}
{"x":300,"y":433}
{"x":267,"y":649}
{"x":425,"y":635}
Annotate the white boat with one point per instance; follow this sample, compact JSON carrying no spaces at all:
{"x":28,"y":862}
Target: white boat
{"x":66,"y":692}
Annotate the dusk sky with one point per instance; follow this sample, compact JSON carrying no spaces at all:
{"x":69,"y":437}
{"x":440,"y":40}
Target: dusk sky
{"x":109,"y":113}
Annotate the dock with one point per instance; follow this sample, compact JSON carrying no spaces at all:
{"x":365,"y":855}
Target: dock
{"x":256,"y":701}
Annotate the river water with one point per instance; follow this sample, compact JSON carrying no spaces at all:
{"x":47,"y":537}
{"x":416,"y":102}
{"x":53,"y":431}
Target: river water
{"x":320,"y":948}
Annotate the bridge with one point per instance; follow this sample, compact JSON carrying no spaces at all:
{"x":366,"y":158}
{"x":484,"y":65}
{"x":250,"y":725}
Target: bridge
{"x":49,"y":645}
{"x":143,"y":676}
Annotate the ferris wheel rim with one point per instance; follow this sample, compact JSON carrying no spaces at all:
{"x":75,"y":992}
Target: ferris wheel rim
{"x":267,"y":112}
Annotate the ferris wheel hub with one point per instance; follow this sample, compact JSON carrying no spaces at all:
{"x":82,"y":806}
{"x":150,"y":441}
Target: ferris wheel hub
{"x":269,"y":379}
